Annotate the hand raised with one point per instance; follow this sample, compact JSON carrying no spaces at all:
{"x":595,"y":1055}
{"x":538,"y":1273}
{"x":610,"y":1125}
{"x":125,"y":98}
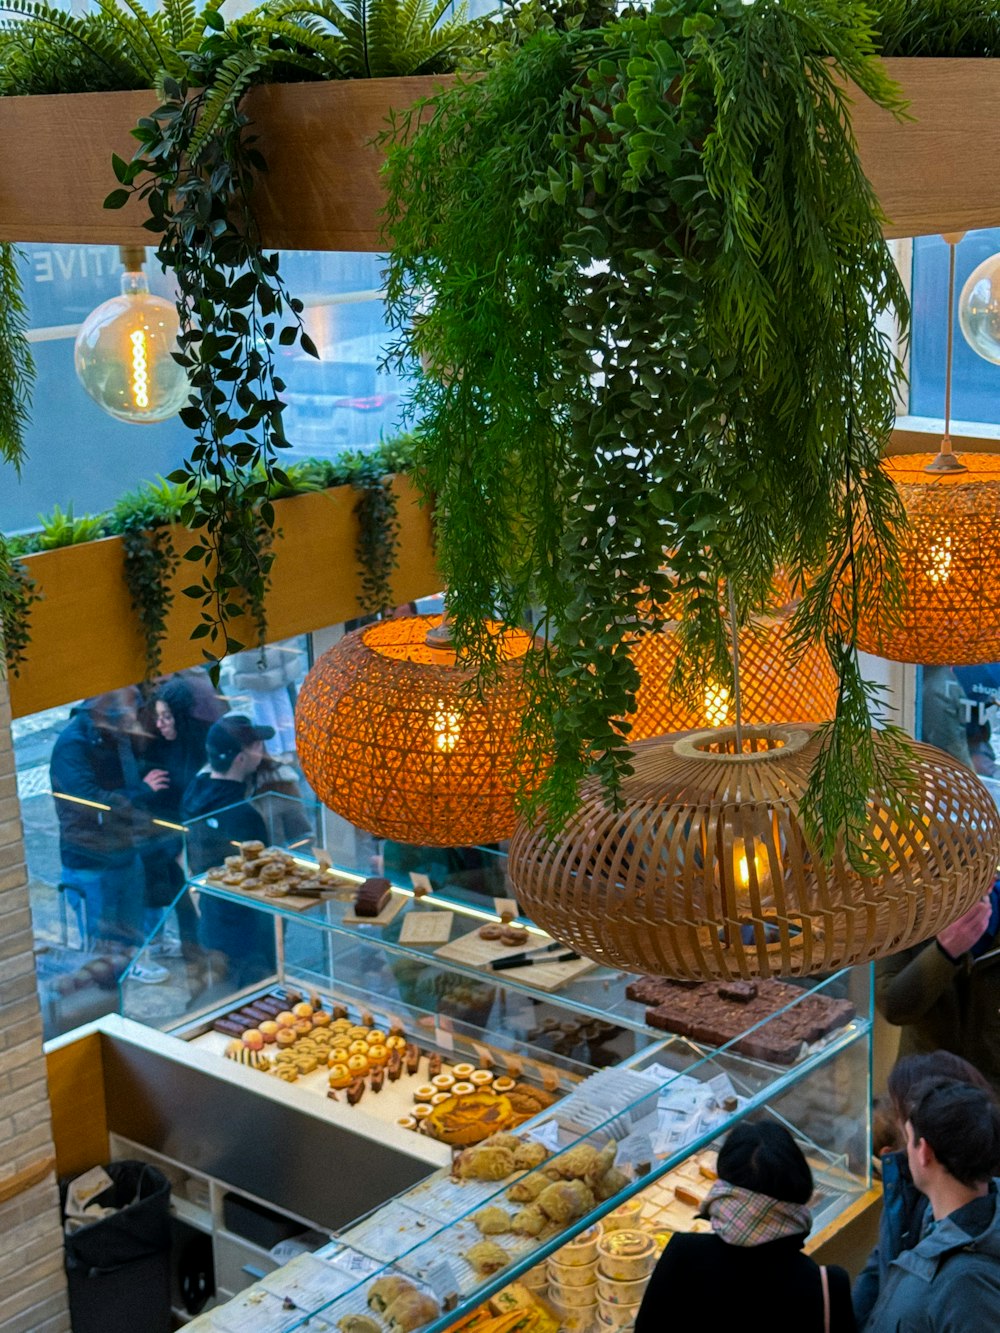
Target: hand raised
{"x":157,"y":779}
{"x":961,"y":935}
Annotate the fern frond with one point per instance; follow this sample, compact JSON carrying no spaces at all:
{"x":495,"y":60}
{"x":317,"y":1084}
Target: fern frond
{"x":182,"y":21}
{"x":326,"y":48}
{"x":91,"y":37}
{"x":232,"y":78}
{"x":137,"y":33}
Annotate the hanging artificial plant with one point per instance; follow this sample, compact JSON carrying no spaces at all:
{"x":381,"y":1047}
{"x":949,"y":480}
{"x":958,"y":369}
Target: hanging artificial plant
{"x":648,"y":276}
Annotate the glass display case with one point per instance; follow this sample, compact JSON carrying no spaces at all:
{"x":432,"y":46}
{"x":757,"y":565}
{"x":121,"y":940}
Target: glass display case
{"x":543,"y":1097}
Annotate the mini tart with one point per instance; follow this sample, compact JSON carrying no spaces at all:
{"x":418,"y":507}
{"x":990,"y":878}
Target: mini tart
{"x":358,"y":1048}
{"x":462,"y":1089}
{"x":340,"y":1077}
{"x":424,"y":1093}
{"x":463,"y":1071}
{"x":285,"y":1037}
{"x":320,"y":1018}
{"x":443,"y":1082}
{"x":285,"y":1019}
{"x":268,"y":1030}
{"x":440,"y":1097}
{"x":302,"y":1027}
{"x":406,"y":1122}
{"x":480,"y":1077}
{"x":339,"y":1055}
{"x":377,"y":1055}
{"x":421,"y":1111}
{"x":302,"y":1010}
{"x":376,"y":1037}
{"x":395,"y":1042}
{"x":504,"y":1084}
{"x":358,"y":1065}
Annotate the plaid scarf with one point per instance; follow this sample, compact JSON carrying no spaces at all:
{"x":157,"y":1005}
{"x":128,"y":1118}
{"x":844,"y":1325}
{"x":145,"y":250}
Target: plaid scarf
{"x":742,"y":1217}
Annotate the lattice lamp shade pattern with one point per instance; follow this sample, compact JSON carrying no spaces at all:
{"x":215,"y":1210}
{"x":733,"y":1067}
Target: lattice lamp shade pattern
{"x":391,"y":735}
{"x":706,"y":872}
{"x":950,"y":613}
{"x":773,"y":688}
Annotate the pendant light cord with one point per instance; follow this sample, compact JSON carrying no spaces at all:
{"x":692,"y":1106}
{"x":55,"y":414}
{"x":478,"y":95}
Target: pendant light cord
{"x":951,"y":340}
{"x":737,"y":703}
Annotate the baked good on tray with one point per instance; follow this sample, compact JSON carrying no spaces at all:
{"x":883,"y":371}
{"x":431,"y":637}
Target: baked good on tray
{"x":372,"y":896}
{"x":461,"y":1121}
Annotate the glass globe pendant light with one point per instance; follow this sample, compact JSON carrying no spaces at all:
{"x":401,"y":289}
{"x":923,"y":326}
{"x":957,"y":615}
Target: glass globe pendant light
{"x":124,"y":351}
{"x":979,"y":309}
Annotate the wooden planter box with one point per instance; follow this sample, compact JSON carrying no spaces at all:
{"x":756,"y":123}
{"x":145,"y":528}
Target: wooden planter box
{"x":85,"y":636}
{"x":322,"y":190}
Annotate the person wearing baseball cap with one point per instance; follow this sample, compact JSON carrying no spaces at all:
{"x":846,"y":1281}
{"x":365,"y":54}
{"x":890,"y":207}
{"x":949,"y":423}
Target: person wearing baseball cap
{"x":218,"y":817}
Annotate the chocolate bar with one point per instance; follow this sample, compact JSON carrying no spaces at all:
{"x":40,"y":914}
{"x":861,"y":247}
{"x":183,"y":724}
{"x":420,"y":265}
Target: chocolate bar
{"x":372,"y":896}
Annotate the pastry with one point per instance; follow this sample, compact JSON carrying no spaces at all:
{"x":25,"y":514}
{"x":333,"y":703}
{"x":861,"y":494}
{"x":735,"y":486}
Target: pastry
{"x":234,"y":863}
{"x":358,"y":1065}
{"x":287,"y":1073}
{"x":422,"y":1110}
{"x":302,"y":1010}
{"x":355,"y":1092}
{"x":306,"y":1064}
{"x":395,"y":1041}
{"x":610,"y":1183}
{"x":484,"y":1162}
{"x":394,"y":1066}
{"x":285,"y":1037}
{"x":528,"y":1188}
{"x":340,"y":1076}
{"x":411,"y":1310}
{"x":302,"y":1027}
{"x":504,"y":1084}
{"x":376,"y":1037}
{"x":228,"y":1027}
{"x":268,"y":1030}
{"x":491,"y":931}
{"x":252,"y":1038}
{"x":480,"y":1078}
{"x":424,"y":1092}
{"x":492,"y":1221}
{"x":372,"y":896}
{"x":358,"y":1033}
{"x":246,"y":1055}
{"x":462,"y":1089}
{"x":406,"y":1122}
{"x":486,"y":1257}
{"x":434,"y":1063}
{"x":358,"y":1048}
{"x":575,"y":1162}
{"x":443,"y":1082}
{"x":411,"y":1058}
{"x":285,"y":1019}
{"x":358,"y":1323}
{"x":511,"y":935}
{"x":251,"y":848}
{"x":376,"y":1080}
{"x":463,"y":1070}
{"x":566,"y":1200}
{"x":529,"y":1153}
{"x":384,"y":1290}
{"x":439,"y":1097}
{"x":377,"y":1055}
{"x":529,"y":1221}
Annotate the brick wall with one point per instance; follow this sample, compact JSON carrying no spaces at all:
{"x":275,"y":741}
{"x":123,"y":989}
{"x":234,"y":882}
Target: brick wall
{"x":32,"y":1282}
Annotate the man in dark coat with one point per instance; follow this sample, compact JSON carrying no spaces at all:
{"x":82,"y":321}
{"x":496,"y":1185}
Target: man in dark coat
{"x":101,"y":805}
{"x":218,"y":817}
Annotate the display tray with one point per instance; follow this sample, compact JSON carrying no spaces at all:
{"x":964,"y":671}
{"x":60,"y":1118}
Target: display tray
{"x":543,"y":975}
{"x":449,"y":1097}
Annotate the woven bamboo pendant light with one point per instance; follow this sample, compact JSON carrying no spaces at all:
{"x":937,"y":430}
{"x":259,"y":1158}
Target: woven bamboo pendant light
{"x":392,"y":735}
{"x":706,"y":872}
{"x":775,"y":688}
{"x":949,"y":614}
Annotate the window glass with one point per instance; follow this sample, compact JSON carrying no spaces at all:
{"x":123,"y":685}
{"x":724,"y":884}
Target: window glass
{"x":959,"y":711}
{"x":975,"y":382}
{"x":80,"y":455}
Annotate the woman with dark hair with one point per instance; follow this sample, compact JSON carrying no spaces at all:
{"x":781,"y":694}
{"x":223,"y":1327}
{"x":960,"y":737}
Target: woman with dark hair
{"x":177,"y":748}
{"x":904,"y":1208}
{"x":752,"y":1263}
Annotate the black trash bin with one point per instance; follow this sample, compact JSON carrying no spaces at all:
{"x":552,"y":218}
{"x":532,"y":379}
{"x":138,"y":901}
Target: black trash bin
{"x":118,"y":1268}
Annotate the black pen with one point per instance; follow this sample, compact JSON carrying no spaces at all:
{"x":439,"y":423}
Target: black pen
{"x":533,"y":953}
{"x":505,"y":964}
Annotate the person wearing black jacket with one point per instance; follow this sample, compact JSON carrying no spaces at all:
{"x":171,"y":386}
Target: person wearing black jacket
{"x":218,"y":816}
{"x":753,"y":1262}
{"x":102,"y":803}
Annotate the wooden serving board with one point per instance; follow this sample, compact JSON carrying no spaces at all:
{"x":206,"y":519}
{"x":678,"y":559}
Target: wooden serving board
{"x":545,"y":976}
{"x":293,"y":902}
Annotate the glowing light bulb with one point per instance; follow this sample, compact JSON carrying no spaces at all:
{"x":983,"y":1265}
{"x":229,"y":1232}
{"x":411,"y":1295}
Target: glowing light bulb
{"x":716,"y":705}
{"x":939,"y":562}
{"x":979,"y":309}
{"x":123,"y":352}
{"x":447,"y":727}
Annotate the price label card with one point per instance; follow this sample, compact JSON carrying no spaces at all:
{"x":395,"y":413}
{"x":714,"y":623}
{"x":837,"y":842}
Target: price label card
{"x":427,"y":928}
{"x":636,"y":1150}
{"x":421,"y":883}
{"x":546,"y":1134}
{"x":506,"y":907}
{"x":440,"y":1278}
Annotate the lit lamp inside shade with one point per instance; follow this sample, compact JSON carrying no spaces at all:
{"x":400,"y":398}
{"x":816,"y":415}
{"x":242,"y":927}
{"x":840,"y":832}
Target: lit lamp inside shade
{"x":124,"y":350}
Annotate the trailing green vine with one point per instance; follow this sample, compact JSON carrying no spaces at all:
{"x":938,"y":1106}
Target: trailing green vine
{"x":648,"y":274}
{"x":378,"y":538}
{"x":17,"y":596}
{"x":17,"y":369}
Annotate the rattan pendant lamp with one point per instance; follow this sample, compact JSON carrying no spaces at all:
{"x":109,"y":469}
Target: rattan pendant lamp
{"x":949,"y":613}
{"x":774,"y":686}
{"x":706,"y":871}
{"x":393,"y":736}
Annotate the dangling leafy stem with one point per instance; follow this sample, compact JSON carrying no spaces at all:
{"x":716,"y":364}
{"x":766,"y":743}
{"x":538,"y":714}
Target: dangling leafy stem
{"x":17,"y":594}
{"x":674,"y":201}
{"x":17,"y":369}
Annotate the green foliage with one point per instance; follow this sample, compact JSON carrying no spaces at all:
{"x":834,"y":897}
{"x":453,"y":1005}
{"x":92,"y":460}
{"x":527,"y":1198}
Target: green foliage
{"x":378,"y":538}
{"x":65,"y":529}
{"x":150,"y":558}
{"x":938,"y":27}
{"x":17,"y":594}
{"x":17,"y":369}
{"x":673,"y":200}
